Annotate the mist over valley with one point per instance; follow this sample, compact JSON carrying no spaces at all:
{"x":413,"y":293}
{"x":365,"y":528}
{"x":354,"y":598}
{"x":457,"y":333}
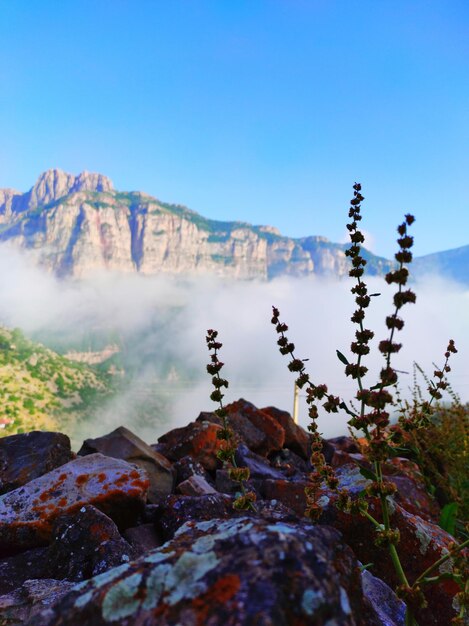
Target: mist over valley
{"x":156,"y":325}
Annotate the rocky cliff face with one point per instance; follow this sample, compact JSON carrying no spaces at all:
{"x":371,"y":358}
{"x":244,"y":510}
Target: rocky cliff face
{"x":77,"y":225}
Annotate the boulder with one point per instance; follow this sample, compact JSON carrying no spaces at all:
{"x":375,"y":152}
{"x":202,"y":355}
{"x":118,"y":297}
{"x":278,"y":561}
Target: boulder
{"x":236,"y":572}
{"x":273,"y":434}
{"x":260,"y":432}
{"x":187,"y":467}
{"x":197,"y":439}
{"x":421,"y":544}
{"x":259,"y":466}
{"x":195,"y":486}
{"x":27,"y":514}
{"x":290,"y":464}
{"x":143,"y":538}
{"x":345,"y":444}
{"x":297,"y":438}
{"x":177,"y":510}
{"x":388,"y":609}
{"x":27,"y":603}
{"x":14,"y":570}
{"x":27,"y":456}
{"x":290,"y":494}
{"x":94,"y":541}
{"x":124,"y":444}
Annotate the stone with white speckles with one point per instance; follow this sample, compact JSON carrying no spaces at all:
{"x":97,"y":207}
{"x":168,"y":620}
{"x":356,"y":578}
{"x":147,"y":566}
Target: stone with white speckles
{"x":27,"y":514}
{"x":235,"y":572}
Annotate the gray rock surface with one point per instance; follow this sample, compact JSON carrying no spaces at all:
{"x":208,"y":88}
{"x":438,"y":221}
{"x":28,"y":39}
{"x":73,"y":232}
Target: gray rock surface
{"x":80,"y":224}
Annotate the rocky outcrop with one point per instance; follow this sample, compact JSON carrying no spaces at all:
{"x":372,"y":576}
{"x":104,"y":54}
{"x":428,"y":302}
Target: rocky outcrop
{"x":84,"y":543}
{"x":78,"y":225}
{"x":228,"y":572}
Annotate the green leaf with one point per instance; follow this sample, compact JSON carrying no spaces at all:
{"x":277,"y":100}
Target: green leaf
{"x":341,"y":357}
{"x":366,"y":473}
{"x":400,"y":451}
{"x":362,"y":568}
{"x":448,"y":517}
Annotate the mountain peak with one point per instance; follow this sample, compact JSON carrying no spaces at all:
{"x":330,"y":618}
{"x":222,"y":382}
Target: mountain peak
{"x":55,"y":183}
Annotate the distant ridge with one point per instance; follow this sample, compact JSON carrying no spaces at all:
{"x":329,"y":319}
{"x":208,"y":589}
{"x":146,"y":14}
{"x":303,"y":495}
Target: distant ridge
{"x":452,"y":264}
{"x":78,"y":225}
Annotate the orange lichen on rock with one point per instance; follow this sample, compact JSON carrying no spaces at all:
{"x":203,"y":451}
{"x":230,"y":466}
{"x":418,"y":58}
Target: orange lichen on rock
{"x":219,"y":593}
{"x":109,"y":484}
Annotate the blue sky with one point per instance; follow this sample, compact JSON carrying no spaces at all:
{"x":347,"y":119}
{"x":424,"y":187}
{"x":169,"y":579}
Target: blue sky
{"x":259,"y":110}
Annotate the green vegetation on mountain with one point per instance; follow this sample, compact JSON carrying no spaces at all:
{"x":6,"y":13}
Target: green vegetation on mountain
{"x":41,"y":390}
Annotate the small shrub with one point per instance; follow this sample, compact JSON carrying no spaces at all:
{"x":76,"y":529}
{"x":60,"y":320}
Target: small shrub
{"x":372,"y":417}
{"x":228,"y":444}
{"x":418,"y":422}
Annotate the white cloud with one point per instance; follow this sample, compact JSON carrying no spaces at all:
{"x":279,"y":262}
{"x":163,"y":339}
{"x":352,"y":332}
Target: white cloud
{"x":161,"y":318}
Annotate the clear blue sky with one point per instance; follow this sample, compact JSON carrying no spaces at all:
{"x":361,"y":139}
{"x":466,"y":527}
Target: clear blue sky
{"x":260,"y":110}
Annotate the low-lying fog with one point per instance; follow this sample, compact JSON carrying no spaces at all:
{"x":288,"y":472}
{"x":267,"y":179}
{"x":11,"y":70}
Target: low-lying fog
{"x":162,"y":321}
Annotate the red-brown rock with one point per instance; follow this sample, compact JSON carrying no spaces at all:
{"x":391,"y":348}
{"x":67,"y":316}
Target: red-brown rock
{"x":260,"y":432}
{"x":273,"y":432}
{"x":197,"y":439}
{"x":291,"y":494}
{"x":296,"y":438}
{"x":28,"y":513}
{"x":421,"y":544}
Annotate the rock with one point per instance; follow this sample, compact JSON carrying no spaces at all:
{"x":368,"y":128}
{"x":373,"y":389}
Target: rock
{"x":292,"y":495}
{"x":94,"y":541}
{"x":296,"y":438}
{"x":411,"y":492}
{"x":177,"y":510}
{"x":197,"y":439}
{"x":421,"y":544}
{"x":273,"y":433}
{"x":55,"y":184}
{"x":89,"y":536}
{"x":187,"y":467}
{"x":259,"y":466}
{"x":124,"y":444}
{"x":345,"y":444}
{"x":236,"y":572}
{"x":90,"y":519}
{"x":27,"y":456}
{"x":414,"y":498}
{"x":289,"y":464}
{"x":388,"y":609}
{"x":225,"y":484}
{"x":14,"y":570}
{"x":195,"y":486}
{"x":341,"y":457}
{"x":143,"y":538}
{"x":245,"y":431}
{"x":260,"y":432}
{"x":34,"y":597}
{"x":28,"y":513}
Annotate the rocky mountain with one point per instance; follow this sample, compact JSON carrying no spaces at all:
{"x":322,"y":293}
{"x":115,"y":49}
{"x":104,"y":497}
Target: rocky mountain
{"x":452,"y":264}
{"x":76,"y":225}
